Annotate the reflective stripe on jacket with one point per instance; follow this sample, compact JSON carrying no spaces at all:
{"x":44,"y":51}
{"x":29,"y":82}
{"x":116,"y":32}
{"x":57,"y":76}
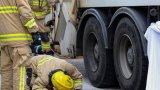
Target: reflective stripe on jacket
{"x":8,"y":9}
{"x":15,"y":37}
{"x":41,"y":7}
{"x":42,"y":3}
{"x":39,"y":14}
{"x":13,"y":9}
{"x":16,"y":19}
{"x":40,"y":10}
{"x":31,"y":23}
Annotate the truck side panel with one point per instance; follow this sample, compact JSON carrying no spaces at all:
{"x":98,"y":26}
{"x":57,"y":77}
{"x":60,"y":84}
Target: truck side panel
{"x":115,"y":3}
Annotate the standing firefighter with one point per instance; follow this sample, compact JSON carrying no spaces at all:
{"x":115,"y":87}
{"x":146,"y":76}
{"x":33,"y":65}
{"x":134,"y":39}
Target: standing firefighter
{"x":48,"y":71}
{"x":17,"y":25}
{"x":40,"y":9}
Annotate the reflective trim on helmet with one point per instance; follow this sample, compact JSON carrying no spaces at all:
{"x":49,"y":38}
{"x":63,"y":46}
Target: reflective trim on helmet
{"x":15,"y":37}
{"x":44,"y":60}
{"x":31,"y":23}
{"x":37,"y":14}
{"x":22,"y":77}
{"x":8,"y":9}
{"x":46,"y":45}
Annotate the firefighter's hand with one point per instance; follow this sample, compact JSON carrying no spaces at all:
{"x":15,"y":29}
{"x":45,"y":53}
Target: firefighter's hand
{"x":49,"y":23}
{"x":35,"y":37}
{"x":50,"y":87}
{"x":44,"y":37}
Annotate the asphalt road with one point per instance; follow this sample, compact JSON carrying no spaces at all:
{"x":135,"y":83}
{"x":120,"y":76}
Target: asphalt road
{"x":86,"y":84}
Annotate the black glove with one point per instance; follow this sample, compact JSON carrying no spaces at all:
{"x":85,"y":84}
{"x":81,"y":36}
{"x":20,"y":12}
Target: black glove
{"x":49,"y":23}
{"x":44,"y":37}
{"x":50,"y":53}
{"x":36,"y":39}
{"x":29,"y":75}
{"x":38,"y":49}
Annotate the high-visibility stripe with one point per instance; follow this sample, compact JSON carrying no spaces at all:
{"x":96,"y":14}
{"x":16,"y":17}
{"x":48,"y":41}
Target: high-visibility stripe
{"x":39,"y":89}
{"x":77,"y":83}
{"x":15,"y":37}
{"x":30,"y":23}
{"x":36,"y":3}
{"x":46,"y":45}
{"x":44,"y":60}
{"x":39,"y":13}
{"x":22,"y":77}
{"x":8,"y":9}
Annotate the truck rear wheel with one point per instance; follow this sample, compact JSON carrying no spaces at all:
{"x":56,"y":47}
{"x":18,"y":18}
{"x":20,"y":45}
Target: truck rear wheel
{"x":130,"y":66}
{"x":98,"y":62}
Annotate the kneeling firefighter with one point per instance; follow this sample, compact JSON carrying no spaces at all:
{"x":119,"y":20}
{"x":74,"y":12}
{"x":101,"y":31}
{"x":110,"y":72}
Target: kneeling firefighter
{"x":50,"y":73}
{"x":40,"y":9}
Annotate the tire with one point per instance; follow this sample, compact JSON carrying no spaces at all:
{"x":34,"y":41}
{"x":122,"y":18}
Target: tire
{"x":130,"y":65}
{"x":98,"y":62}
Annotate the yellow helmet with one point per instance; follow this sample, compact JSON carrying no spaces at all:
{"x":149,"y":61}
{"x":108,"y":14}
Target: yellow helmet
{"x":61,"y":81}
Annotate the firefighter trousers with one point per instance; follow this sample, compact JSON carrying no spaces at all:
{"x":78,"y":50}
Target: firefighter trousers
{"x":13,"y":70}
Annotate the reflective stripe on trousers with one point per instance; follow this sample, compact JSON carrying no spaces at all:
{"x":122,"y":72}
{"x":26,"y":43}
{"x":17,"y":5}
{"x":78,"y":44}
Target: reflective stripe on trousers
{"x":46,"y":45}
{"x":8,"y":9}
{"x":15,"y":37}
{"x":22,"y":78}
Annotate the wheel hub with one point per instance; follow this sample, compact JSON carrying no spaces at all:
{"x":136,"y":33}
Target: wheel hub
{"x":93,"y":53}
{"x":126,"y":56}
{"x":130,"y":57}
{"x":96,"y":51}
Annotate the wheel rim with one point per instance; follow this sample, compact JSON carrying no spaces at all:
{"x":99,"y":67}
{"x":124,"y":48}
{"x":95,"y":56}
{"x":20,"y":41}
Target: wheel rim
{"x":126,"y":55}
{"x":93,"y":52}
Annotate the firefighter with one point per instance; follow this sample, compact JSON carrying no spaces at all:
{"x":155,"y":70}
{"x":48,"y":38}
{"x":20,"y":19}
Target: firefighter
{"x":47,"y":71}
{"x":16,"y":29}
{"x":40,"y":9}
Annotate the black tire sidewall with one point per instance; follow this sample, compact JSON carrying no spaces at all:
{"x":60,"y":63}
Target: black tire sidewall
{"x":126,"y":26}
{"x":93,"y":26}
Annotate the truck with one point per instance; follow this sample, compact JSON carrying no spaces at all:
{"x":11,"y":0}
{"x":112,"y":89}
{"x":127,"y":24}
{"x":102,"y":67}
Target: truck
{"x":110,"y":36}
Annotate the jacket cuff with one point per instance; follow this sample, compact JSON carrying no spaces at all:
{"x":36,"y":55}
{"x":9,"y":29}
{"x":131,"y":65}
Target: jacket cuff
{"x":33,"y":29}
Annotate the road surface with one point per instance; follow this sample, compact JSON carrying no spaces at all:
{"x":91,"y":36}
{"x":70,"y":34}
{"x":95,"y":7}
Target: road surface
{"x":86,"y":84}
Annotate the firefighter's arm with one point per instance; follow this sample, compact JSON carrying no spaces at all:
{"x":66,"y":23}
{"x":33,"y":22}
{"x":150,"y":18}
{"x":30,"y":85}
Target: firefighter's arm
{"x":51,"y":5}
{"x":39,"y":84}
{"x":75,"y":74}
{"x":26,"y":16}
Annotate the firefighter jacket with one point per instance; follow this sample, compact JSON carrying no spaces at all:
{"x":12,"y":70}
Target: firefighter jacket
{"x":16,"y":22}
{"x":40,"y":9}
{"x":43,"y":65}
